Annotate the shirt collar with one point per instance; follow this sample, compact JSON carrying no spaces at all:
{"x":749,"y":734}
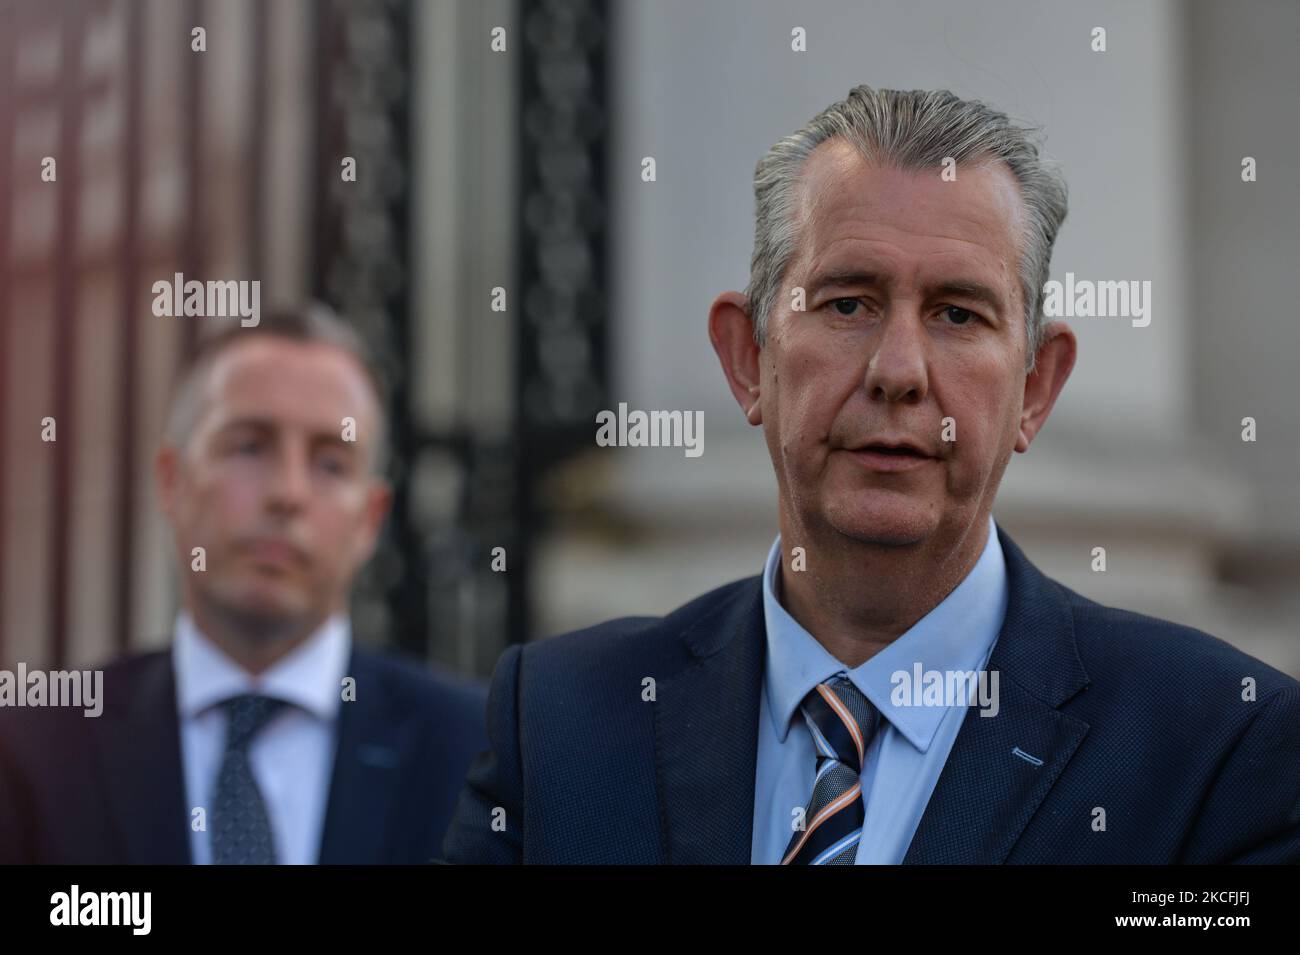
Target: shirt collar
{"x":958,"y":634}
{"x":309,"y":677}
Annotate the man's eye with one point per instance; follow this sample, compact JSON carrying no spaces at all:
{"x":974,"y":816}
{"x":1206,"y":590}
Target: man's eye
{"x":845,"y":306}
{"x":333,"y":465}
{"x":959,"y":316}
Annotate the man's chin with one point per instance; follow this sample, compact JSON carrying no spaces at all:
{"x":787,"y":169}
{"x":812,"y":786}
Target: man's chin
{"x":266,"y":609}
{"x":885,"y":523}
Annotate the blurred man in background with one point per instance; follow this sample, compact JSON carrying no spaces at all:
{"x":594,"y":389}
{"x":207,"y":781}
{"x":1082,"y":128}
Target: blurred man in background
{"x":263,"y":735}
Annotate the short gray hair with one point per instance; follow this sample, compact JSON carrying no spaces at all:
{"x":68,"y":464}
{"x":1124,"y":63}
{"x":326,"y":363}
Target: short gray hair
{"x":910,"y":130}
{"x":312,"y":323}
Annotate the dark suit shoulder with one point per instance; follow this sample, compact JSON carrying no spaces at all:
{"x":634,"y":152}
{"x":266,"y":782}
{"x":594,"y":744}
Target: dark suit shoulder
{"x":412,"y":686}
{"x":37,"y":728}
{"x":124,"y":675}
{"x":134,"y":664}
{"x":640,"y":646}
{"x":1179,"y":703}
{"x":1115,"y":642}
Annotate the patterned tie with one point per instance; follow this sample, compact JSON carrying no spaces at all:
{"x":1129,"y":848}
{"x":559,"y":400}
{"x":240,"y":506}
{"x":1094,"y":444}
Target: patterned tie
{"x":842,"y":722}
{"x":241,"y":831}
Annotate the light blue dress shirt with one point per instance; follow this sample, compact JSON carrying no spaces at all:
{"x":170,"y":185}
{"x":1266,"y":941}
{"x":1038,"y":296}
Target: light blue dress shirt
{"x":908,"y":751}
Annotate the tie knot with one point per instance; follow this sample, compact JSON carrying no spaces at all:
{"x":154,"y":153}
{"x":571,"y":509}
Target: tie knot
{"x":842,"y":720}
{"x":247,"y":714}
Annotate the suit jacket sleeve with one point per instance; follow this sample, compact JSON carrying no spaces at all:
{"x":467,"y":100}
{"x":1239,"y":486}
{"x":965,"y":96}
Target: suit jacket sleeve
{"x":1252,"y":813}
{"x":494,"y":782}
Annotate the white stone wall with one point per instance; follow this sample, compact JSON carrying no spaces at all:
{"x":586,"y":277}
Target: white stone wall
{"x":1125,"y":462}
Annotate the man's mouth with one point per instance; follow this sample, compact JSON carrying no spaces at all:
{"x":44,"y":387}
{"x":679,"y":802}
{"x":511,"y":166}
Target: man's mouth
{"x":901,"y":450}
{"x":900,"y":445}
{"x":890,"y":456}
{"x":272,"y":551}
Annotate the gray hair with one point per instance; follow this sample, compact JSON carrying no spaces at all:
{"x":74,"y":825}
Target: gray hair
{"x":909,"y":130}
{"x":308,"y":324}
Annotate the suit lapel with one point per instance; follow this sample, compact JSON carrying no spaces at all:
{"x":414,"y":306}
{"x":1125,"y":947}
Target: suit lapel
{"x":373,"y":744}
{"x":706,"y":735}
{"x":138,"y":748}
{"x":1001,"y":767}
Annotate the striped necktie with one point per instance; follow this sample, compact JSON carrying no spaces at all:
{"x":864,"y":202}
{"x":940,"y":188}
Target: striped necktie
{"x":842,"y":722}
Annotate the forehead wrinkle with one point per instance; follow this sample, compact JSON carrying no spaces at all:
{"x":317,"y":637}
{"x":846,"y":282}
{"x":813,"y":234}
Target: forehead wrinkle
{"x":833,"y":261}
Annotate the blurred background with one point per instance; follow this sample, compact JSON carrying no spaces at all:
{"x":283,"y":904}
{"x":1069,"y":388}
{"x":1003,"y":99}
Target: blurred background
{"x":521,"y":169}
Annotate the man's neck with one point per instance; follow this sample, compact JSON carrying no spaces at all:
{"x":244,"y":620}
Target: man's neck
{"x":857,"y":598}
{"x":256,"y":645}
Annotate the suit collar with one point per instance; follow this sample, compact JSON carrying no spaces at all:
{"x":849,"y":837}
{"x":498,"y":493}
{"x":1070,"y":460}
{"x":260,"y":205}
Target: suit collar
{"x":1001,"y":767}
{"x":376,"y":734}
{"x":957,"y":635}
{"x":706,"y":730}
{"x":139,"y":760}
{"x":1037,"y":646}
{"x":997,"y":774}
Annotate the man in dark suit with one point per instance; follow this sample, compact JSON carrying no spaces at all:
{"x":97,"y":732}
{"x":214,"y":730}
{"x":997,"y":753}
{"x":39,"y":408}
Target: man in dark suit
{"x":262,"y":735}
{"x":892,"y":346}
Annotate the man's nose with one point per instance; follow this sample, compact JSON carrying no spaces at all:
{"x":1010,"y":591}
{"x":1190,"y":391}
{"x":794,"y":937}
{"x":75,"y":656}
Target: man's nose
{"x":291,"y":480}
{"x":897,"y":369}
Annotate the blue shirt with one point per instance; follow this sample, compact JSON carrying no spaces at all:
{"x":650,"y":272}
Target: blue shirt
{"x":908,"y":751}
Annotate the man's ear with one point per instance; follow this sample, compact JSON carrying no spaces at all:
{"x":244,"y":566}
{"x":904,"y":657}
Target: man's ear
{"x":732,"y":332}
{"x":1051,"y":369}
{"x":379,"y":499}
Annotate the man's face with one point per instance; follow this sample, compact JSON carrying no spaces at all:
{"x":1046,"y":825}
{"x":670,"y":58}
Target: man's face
{"x":285,"y":508}
{"x":913,"y":315}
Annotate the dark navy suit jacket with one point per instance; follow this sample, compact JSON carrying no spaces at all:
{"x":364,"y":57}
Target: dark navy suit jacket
{"x":110,"y":789}
{"x":1138,"y":717}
